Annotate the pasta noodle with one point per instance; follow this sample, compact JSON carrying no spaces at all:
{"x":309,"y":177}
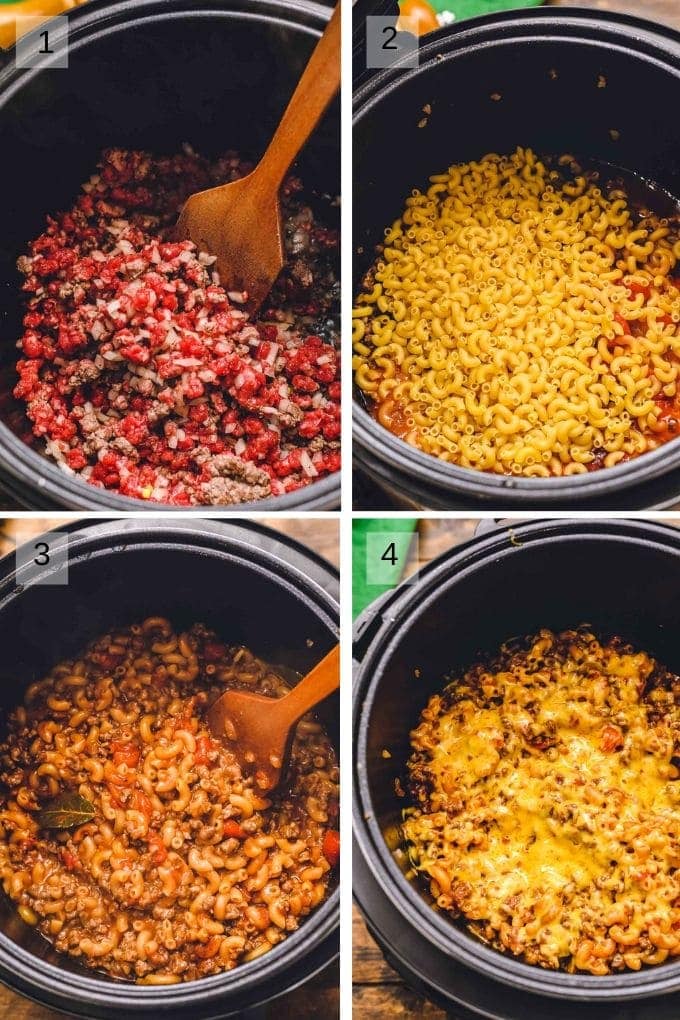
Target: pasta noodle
{"x":522,"y":320}
{"x":545,"y":803}
{"x":184,"y":870}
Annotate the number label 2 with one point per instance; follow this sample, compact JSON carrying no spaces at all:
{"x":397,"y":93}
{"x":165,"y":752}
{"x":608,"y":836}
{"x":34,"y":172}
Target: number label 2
{"x":387,"y":44}
{"x":391,"y":33}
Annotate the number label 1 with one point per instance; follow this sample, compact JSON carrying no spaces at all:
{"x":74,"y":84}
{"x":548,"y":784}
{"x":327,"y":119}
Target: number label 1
{"x":41,"y":42}
{"x":46,"y":45}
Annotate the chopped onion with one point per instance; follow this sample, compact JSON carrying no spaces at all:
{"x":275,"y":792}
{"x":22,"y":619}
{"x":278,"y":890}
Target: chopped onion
{"x":306,"y":464}
{"x":98,"y":329}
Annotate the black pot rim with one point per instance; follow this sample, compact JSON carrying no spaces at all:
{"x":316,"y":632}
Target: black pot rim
{"x":375,"y":441}
{"x":573,"y":25}
{"x":88,"y":24}
{"x":513,"y":25}
{"x":230,"y":541}
{"x":386,"y":623}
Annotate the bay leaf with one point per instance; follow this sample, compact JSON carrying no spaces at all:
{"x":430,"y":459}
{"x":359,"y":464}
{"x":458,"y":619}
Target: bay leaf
{"x":66,"y":811}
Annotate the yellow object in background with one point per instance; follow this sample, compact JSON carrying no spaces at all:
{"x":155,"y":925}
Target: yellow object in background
{"x":9,"y":12}
{"x":419,"y":14}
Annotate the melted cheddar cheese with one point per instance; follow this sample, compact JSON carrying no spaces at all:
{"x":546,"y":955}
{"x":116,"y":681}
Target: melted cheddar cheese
{"x":545,"y":803}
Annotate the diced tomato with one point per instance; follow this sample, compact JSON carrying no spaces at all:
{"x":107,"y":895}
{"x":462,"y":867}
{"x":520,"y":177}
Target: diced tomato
{"x":76,"y":459}
{"x":213,"y":651}
{"x":612,"y":738}
{"x":157,"y":847}
{"x":623,"y":323}
{"x":232,"y":830}
{"x":330,"y":847}
{"x":333,"y":808}
{"x":140,"y":802}
{"x":125,"y":752}
{"x":116,"y":782}
{"x":108,"y":660}
{"x":69,"y":859}
{"x":208,"y":950}
{"x":640,"y":288}
{"x":114,"y":794}
{"x":203,"y":746}
{"x":669,"y":416}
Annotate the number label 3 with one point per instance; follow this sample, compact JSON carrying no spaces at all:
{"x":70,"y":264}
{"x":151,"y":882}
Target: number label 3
{"x":43,"y":557}
{"x":43,"y":560}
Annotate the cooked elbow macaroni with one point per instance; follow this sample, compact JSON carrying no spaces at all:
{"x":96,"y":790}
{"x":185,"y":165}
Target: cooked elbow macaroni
{"x":185,"y":869}
{"x":546,"y":803}
{"x":522,"y":320}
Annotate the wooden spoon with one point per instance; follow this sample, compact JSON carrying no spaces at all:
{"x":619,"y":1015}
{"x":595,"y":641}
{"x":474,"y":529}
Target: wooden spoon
{"x":240,"y":222}
{"x":259,"y":730}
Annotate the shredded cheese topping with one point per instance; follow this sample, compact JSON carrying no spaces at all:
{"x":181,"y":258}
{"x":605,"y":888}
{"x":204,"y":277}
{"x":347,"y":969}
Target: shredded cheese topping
{"x":545,"y":803}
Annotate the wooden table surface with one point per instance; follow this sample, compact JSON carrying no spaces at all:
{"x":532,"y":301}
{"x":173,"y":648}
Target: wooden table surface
{"x":319,"y":999}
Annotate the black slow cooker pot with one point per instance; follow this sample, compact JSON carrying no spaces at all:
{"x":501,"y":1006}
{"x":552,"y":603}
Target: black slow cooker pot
{"x":149,"y":74}
{"x":622,"y":577}
{"x":547,"y":66}
{"x":227,"y":575}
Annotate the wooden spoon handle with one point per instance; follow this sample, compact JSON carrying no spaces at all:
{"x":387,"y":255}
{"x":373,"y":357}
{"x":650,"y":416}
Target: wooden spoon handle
{"x":317,"y":685}
{"x":317,"y":86}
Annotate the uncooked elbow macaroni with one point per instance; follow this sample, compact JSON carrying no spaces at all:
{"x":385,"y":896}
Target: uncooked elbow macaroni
{"x":522,"y":320}
{"x":185,"y":869}
{"x":545,"y":803}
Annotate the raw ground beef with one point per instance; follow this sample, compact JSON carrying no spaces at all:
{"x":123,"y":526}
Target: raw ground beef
{"x":142,"y":375}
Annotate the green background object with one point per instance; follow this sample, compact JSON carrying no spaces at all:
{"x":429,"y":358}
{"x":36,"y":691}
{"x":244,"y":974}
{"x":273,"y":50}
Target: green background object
{"x":474,"y":8}
{"x":402,"y":529}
